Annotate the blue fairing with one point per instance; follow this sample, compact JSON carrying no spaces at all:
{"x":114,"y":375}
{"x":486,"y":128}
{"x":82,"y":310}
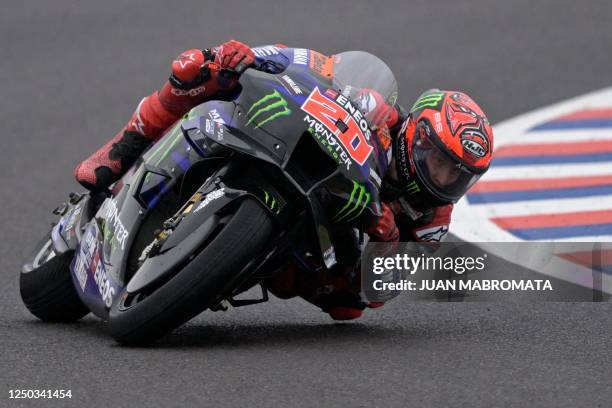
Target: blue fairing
{"x":98,"y":288}
{"x":278,"y":57}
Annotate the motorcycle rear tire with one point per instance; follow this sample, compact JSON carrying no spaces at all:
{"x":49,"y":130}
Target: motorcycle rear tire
{"x":48,"y":291}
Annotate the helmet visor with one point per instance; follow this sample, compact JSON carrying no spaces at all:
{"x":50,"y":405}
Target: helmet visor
{"x":442,"y":175}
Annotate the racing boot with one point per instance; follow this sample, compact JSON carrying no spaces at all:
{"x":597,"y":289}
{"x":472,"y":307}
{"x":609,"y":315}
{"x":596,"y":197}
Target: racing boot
{"x":111,"y":161}
{"x":344,"y":313}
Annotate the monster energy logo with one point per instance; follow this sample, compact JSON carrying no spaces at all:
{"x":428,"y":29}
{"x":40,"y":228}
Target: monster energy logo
{"x":429,"y":100}
{"x":355,"y":206}
{"x":272,"y":202}
{"x":412,"y":188}
{"x":273,"y":103}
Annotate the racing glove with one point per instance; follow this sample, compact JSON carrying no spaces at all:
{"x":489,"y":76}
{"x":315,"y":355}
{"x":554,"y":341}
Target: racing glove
{"x":234,"y":55}
{"x":378,"y":112}
{"x":195,"y":67}
{"x":384,"y":228}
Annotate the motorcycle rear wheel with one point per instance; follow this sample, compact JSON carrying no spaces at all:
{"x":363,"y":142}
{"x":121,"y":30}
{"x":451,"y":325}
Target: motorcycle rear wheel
{"x":46,"y":286}
{"x":198,"y":285}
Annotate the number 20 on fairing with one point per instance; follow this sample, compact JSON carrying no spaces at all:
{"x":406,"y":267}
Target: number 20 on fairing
{"x":329,"y":113}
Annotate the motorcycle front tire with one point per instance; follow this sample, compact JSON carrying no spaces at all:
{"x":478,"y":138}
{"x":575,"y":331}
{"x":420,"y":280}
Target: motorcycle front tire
{"x":194,"y":288}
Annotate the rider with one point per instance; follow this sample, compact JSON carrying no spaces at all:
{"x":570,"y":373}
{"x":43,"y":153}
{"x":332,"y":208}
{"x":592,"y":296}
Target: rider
{"x":435,"y":152}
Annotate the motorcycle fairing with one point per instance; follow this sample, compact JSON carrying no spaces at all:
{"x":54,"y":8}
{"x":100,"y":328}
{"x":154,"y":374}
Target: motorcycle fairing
{"x":98,"y":289}
{"x":66,"y":234}
{"x":247,"y":125}
{"x":266,"y":108}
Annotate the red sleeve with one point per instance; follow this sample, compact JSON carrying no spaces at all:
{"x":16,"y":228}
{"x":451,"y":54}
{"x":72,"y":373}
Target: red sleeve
{"x":187,"y":88}
{"x":437,"y":229}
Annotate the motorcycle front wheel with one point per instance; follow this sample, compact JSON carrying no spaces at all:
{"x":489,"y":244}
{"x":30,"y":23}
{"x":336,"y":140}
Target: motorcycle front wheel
{"x":140,"y":321}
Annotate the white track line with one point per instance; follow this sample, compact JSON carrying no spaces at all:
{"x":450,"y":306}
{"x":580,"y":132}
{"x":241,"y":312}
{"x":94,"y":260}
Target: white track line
{"x":547,"y":170}
{"x":558,"y":136}
{"x":595,"y":238}
{"x":553,"y":206}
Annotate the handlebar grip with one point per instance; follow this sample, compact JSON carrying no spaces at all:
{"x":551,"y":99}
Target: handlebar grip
{"x":240,"y":68}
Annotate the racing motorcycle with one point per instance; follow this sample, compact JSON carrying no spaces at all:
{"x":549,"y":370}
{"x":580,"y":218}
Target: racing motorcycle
{"x":222,"y":200}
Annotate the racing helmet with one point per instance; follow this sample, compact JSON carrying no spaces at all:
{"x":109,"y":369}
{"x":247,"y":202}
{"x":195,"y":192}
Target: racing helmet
{"x":444,"y":147}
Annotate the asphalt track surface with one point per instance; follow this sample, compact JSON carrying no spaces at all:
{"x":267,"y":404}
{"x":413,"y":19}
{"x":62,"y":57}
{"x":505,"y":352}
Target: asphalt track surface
{"x":72,"y":72}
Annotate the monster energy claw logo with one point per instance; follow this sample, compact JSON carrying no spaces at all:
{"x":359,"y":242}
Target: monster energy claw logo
{"x":428,"y":100}
{"x":355,"y":205}
{"x":272,"y":203}
{"x":273,"y":103}
{"x":413,"y":187}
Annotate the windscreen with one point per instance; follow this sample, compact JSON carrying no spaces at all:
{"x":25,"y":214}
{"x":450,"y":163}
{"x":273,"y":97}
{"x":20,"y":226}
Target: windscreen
{"x":368,"y":81}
